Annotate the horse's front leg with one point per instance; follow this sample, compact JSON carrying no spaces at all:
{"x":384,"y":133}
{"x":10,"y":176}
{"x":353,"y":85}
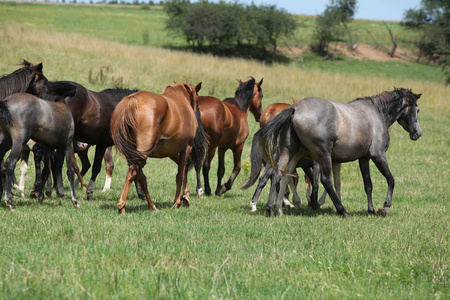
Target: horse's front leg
{"x":109,"y":167}
{"x":38,"y":154}
{"x":315,"y":186}
{"x":48,"y":154}
{"x":220,"y":169}
{"x":383,"y":167}
{"x":98,"y":158}
{"x":365,"y":172}
{"x":237,"y":154}
{"x":71,"y":173}
{"x":10,"y":164}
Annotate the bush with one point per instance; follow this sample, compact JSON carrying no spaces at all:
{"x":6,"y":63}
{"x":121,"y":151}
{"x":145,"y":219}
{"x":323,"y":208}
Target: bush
{"x":230,"y":28}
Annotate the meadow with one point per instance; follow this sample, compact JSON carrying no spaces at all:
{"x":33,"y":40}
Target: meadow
{"x":217,"y":248}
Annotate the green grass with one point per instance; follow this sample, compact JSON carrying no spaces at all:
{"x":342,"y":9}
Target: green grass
{"x":217,"y":248}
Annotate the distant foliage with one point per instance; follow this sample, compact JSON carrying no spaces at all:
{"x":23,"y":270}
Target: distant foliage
{"x":432,"y":19}
{"x":332,"y":24}
{"x":230,"y":28}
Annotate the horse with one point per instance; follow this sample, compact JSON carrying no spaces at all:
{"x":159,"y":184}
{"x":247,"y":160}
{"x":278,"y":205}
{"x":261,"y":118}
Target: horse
{"x":225,"y":123}
{"x":24,"y":116}
{"x":91,"y":113}
{"x":162,"y":125}
{"x":27,"y":79}
{"x":327,"y":132}
{"x":306,"y":164}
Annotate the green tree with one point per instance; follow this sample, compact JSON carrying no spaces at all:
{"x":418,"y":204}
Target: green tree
{"x":432,"y":18}
{"x":336,"y":16}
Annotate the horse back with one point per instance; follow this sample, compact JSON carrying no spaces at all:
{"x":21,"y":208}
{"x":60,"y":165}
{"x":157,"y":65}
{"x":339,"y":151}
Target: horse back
{"x":271,"y":111}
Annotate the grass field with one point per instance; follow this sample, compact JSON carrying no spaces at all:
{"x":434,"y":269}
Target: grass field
{"x":217,"y":248}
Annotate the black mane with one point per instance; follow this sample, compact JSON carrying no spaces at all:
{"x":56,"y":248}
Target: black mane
{"x":17,"y":81}
{"x":119,"y":93}
{"x":243,"y":95}
{"x":58,"y":91}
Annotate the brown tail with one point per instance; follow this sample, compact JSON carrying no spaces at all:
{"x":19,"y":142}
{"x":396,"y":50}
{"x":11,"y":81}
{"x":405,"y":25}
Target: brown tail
{"x":123,"y":131}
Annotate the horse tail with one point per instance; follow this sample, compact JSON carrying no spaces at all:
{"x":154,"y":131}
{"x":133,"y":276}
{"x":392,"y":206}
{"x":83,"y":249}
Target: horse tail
{"x":266,"y":143}
{"x":201,"y":143}
{"x":5,"y":115}
{"x":123,"y":131}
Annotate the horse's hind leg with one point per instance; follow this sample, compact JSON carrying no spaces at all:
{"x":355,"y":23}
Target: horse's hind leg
{"x":57,"y":165}
{"x":99,"y":153}
{"x":109,"y":166}
{"x":220,"y":169}
{"x":207,"y":166}
{"x":131,"y":176}
{"x":24,"y":156}
{"x":143,"y":182}
{"x":45,"y":175}
{"x":325,"y":166}
{"x":180,"y":178}
{"x":237,"y":154}
{"x":5,"y":145}
{"x":38,"y":154}
{"x":261,"y":184}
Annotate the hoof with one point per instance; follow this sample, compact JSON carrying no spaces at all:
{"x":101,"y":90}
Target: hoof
{"x":89,"y":197}
{"x":11,"y":206}
{"x":185,"y":201}
{"x":253,"y":207}
{"x":382,"y":212}
{"x":200,"y":192}
{"x":314,"y":206}
{"x":345,"y":214}
{"x":34,"y":194}
{"x":221,"y":191}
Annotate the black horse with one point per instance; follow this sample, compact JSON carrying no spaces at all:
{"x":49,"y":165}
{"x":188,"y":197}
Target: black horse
{"x":91,"y":113}
{"x":327,"y":132}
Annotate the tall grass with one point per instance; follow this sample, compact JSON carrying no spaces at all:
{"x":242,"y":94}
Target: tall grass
{"x":217,"y":248}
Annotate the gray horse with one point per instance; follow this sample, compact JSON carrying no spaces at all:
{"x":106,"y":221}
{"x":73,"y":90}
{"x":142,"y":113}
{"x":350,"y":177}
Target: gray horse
{"x":327,"y":132}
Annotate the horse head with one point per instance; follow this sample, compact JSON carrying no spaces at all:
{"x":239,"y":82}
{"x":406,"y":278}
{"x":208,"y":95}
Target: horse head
{"x":37,"y":81}
{"x":408,"y":118}
{"x":256,"y":102}
{"x":193,"y":93}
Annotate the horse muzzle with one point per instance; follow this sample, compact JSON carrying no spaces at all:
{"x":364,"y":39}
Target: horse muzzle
{"x":415,"y":135}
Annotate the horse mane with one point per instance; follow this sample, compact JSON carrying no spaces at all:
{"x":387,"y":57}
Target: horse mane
{"x":16,"y":81}
{"x":243,"y":95}
{"x":58,"y":91}
{"x":389,"y":102}
{"x":119,"y":93}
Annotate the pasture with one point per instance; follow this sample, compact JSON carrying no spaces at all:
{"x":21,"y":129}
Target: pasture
{"x":217,"y":248}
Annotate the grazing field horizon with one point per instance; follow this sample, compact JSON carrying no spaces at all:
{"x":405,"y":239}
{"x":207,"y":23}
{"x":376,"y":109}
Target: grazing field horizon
{"x":218,"y":248}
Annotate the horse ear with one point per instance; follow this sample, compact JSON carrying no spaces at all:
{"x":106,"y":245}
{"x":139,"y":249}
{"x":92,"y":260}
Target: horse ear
{"x":294,"y":99}
{"x":417,"y":96}
{"x":39,"y":67}
{"x":260,"y":83}
{"x":198,"y":87}
{"x":26,"y":63}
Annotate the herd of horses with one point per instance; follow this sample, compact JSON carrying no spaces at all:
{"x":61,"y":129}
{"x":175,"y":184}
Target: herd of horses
{"x":314,"y":134}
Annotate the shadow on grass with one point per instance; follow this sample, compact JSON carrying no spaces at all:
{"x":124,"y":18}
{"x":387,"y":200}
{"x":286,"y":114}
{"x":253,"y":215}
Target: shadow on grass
{"x":133,"y":207}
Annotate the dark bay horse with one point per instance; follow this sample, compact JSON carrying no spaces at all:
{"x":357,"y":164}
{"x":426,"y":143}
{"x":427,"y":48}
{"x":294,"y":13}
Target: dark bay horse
{"x":158,"y":125}
{"x":91,"y":113}
{"x":24,"y":116}
{"x":327,"y":132}
{"x":306,"y":164}
{"x":226,"y":126}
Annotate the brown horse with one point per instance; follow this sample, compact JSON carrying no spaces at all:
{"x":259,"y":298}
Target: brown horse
{"x":158,"y":125}
{"x":226,"y":126}
{"x":91,"y":113}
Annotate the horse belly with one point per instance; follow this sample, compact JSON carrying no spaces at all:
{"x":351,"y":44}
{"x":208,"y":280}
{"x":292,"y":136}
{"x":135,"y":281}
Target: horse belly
{"x":345,"y":151}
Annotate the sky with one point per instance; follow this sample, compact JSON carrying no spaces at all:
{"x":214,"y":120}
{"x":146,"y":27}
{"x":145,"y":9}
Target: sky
{"x":382,"y":10}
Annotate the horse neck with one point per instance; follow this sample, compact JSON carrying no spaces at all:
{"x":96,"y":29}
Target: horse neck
{"x":390,"y":109}
{"x":16,"y":82}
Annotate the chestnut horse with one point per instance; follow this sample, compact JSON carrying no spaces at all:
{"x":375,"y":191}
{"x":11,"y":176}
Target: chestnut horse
{"x":226,"y":126}
{"x":162,"y":125}
{"x":327,"y":132}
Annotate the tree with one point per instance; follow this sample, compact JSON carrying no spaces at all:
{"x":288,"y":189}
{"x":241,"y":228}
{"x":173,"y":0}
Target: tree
{"x":432,"y":19}
{"x":337,"y":13}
